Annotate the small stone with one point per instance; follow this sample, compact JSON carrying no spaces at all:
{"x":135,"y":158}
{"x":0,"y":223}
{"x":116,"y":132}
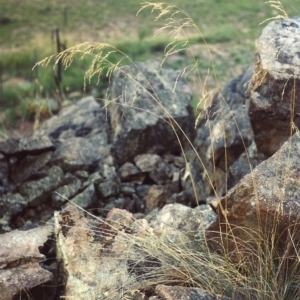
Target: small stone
{"x":129,"y":172}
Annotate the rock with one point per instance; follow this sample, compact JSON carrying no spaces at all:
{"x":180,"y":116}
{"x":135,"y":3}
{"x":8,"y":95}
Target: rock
{"x":186,"y":293}
{"x":157,"y":196}
{"x":87,"y":198}
{"x":30,"y":165}
{"x":140,"y":124}
{"x":19,"y":261}
{"x":275,"y":85}
{"x":10,"y":206}
{"x":220,"y":140}
{"x":232,"y":95}
{"x":230,"y":135}
{"x":265,"y":201}
{"x":3,"y":176}
{"x":94,"y":248}
{"x":244,"y":164}
{"x":121,"y":263}
{"x":127,"y":189}
{"x":190,"y":221}
{"x":83,"y":119}
{"x":69,"y":187}
{"x":76,"y":154}
{"x":26,"y":145}
{"x":107,"y":188}
{"x":37,"y":191}
{"x":130,"y":173}
{"x":159,"y":171}
{"x":195,"y":182}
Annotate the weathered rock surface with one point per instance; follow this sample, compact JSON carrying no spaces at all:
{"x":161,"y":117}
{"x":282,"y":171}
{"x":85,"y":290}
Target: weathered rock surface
{"x":76,"y":154}
{"x":178,"y":293}
{"x":265,"y":199}
{"x":19,"y":262}
{"x":83,"y":119}
{"x":140,"y":123}
{"x":29,"y":145}
{"x":100,"y":259}
{"x":275,"y":100}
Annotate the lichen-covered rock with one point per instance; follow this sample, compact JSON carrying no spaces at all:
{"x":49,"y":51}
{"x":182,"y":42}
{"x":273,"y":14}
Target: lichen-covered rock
{"x":87,"y":198}
{"x":26,"y":145}
{"x":40,"y":190}
{"x":19,"y":261}
{"x":265,"y":200}
{"x":186,"y":293}
{"x":76,"y":154}
{"x":30,"y":165}
{"x":70,"y":186}
{"x":145,"y":97}
{"x":275,"y":100}
{"x":10,"y":205}
{"x":85,"y":118}
{"x":159,"y":171}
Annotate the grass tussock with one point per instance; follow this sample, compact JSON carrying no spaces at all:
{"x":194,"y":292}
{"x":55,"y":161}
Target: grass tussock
{"x":265,"y":265}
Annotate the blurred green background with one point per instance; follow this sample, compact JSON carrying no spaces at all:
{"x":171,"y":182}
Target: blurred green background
{"x":223,"y":46}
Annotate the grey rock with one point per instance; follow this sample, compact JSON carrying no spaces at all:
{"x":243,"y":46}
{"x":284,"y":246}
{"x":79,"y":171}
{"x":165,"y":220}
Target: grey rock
{"x":26,"y":145}
{"x":244,"y":164}
{"x":83,"y":119}
{"x":40,"y":190}
{"x":157,"y":196}
{"x":127,"y":189}
{"x":30,"y":165}
{"x":232,"y":95}
{"x":3,"y":176}
{"x":186,"y":293}
{"x":129,"y":172}
{"x":82,"y":175}
{"x":179,"y":162}
{"x":142,"y":190}
{"x":275,"y":100}
{"x":107,"y":188}
{"x":180,"y":198}
{"x":139,"y":123}
{"x":230,"y":135}
{"x":10,"y":206}
{"x":70,"y":186}
{"x":87,"y":198}
{"x":159,"y":171}
{"x":76,"y":154}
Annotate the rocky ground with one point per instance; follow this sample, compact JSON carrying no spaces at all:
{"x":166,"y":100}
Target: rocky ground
{"x":123,"y":162}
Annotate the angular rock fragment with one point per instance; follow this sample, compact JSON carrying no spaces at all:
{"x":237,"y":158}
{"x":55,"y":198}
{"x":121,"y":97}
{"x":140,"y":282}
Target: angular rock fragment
{"x":159,"y":171}
{"x":265,"y":201}
{"x":130,"y":173}
{"x":76,"y":154}
{"x":36,"y":190}
{"x":19,"y":261}
{"x":26,"y":145}
{"x":29,"y":166}
{"x":186,"y":293}
{"x":142,"y":125}
{"x":87,"y":198}
{"x":275,"y":101}
{"x":70,"y":186}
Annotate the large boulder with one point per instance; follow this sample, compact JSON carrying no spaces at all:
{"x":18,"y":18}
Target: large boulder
{"x":149,"y":104}
{"x":263,"y":205}
{"x":275,"y":97}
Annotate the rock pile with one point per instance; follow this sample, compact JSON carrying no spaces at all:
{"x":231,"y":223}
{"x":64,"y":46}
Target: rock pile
{"x":127,"y":155}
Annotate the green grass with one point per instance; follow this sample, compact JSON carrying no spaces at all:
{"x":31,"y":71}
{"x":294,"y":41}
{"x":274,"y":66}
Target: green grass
{"x":26,"y":36}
